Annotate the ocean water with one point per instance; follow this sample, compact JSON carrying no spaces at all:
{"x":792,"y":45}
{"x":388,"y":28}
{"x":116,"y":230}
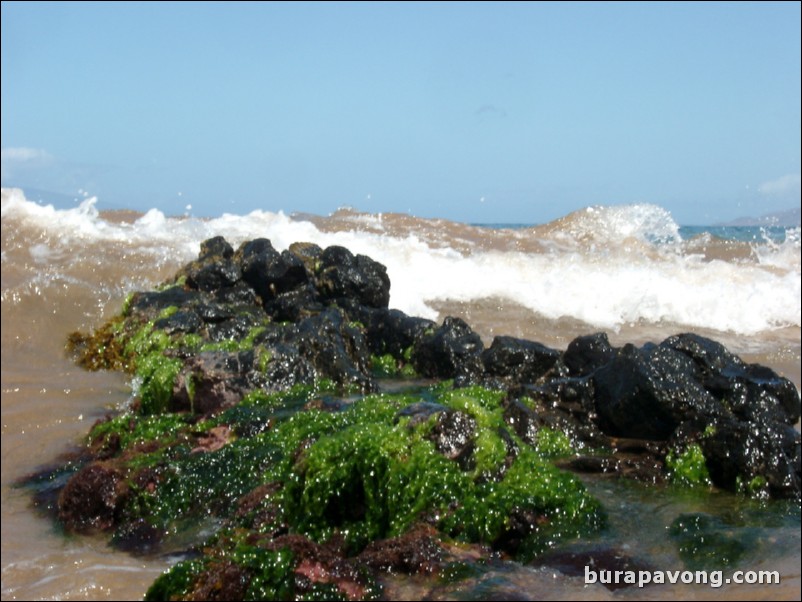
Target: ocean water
{"x":630,"y":271}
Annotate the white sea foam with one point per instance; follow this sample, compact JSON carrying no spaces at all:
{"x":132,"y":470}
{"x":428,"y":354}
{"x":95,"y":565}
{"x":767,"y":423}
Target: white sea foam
{"x":606,"y":266}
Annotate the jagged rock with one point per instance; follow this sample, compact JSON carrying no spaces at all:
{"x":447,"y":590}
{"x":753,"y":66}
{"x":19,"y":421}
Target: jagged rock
{"x":753,"y":456}
{"x":272,"y":274}
{"x":307,"y":252}
{"x":587,"y":353}
{"x":453,"y":435}
{"x":524,"y":421}
{"x":519,"y":360}
{"x":335,"y":348}
{"x":752,"y":392}
{"x":452,"y":351}
{"x":287,"y":368}
{"x":647,"y":393}
{"x":186,"y":321}
{"x":389,"y":330}
{"x":213,"y":269}
{"x":344,"y":275}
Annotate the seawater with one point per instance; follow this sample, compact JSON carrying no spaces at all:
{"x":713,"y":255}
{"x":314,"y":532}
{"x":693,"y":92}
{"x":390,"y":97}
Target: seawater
{"x":630,"y":271}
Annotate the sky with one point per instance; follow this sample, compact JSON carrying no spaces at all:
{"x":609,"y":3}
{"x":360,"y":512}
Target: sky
{"x":476,"y":112}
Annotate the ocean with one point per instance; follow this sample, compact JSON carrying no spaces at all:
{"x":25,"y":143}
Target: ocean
{"x":630,"y":271}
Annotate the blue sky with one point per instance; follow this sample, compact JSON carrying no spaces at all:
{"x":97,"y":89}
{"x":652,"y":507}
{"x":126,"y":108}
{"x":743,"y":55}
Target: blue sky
{"x":479,"y":112}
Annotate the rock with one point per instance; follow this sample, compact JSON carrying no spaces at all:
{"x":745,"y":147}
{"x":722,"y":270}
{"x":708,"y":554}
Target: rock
{"x":524,"y":422}
{"x":214,"y":268}
{"x":753,"y":392}
{"x":272,"y":274}
{"x":452,"y":351}
{"x":91,"y":498}
{"x":186,"y":321}
{"x":519,"y":360}
{"x":148,"y":305}
{"x":212,"y":273}
{"x":389,"y":330}
{"x":343,"y":275}
{"x":307,"y":252}
{"x":753,"y":457}
{"x":647,"y":393}
{"x":287,"y":368}
{"x":212,"y":380}
{"x":453,"y":436}
{"x":335,"y":348}
{"x":587,"y":353}
{"x":216,"y":247}
{"x":415,"y":552}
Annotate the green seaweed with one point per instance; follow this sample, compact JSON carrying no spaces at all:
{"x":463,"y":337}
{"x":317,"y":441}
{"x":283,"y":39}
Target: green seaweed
{"x":369,"y":481}
{"x":552,"y":443}
{"x":130,"y":430}
{"x":534,"y":487}
{"x":688,"y":467}
{"x":157,"y":374}
{"x":176,"y":583}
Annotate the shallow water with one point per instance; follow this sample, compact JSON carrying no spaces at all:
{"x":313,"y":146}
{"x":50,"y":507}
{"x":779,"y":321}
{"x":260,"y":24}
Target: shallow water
{"x":70,"y":270}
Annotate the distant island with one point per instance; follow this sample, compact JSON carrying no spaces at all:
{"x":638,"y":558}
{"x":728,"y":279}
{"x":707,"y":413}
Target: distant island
{"x":788,"y":219}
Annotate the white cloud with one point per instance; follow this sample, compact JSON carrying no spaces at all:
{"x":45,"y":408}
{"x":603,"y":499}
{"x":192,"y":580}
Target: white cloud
{"x":14,"y":160}
{"x":790,"y":184}
{"x":23,"y":153}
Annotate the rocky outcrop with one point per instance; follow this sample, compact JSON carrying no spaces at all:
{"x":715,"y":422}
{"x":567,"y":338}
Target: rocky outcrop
{"x":247,"y":367}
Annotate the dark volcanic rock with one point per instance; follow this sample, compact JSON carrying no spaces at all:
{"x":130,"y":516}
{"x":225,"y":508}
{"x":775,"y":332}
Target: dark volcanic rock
{"x":273,"y":275}
{"x":524,"y":422}
{"x":214,"y":268}
{"x":453,"y":436}
{"x":344,"y":275}
{"x":520,"y":360}
{"x":389,"y":330}
{"x":647,"y":393}
{"x":753,"y":392}
{"x":182,"y":321}
{"x":148,"y":305}
{"x":754,"y":457}
{"x":335,"y":348}
{"x":452,"y":351}
{"x":587,"y":353}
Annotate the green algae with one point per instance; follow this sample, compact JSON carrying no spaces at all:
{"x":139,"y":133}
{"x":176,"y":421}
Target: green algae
{"x":272,"y":572}
{"x":388,"y":366}
{"x":176,"y":583}
{"x":552,"y":443}
{"x":157,"y":374}
{"x":369,"y":481}
{"x":364,"y":474}
{"x":130,"y":430}
{"x":688,"y":467}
